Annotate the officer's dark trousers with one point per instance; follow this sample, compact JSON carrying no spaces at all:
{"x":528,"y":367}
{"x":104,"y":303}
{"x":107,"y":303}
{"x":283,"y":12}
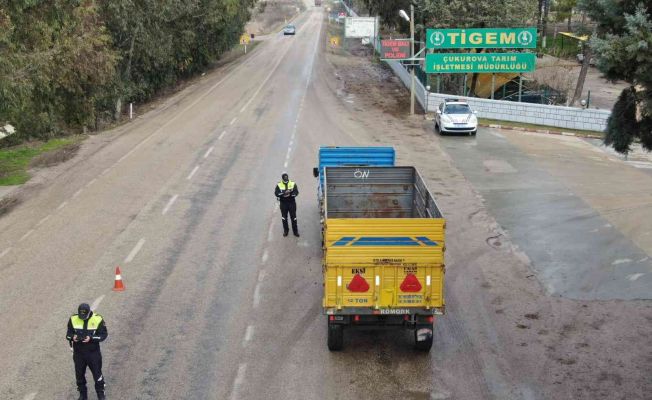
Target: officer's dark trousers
{"x":92,"y":360}
{"x":291,"y":208}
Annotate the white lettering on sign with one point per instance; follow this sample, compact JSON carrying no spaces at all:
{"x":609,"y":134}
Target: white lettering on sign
{"x":361,"y":174}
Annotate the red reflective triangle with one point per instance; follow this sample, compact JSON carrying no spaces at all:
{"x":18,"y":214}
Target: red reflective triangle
{"x":358,"y":284}
{"x":410,"y":284}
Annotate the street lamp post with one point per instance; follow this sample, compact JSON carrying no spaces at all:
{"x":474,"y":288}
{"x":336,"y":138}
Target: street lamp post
{"x":410,"y":19}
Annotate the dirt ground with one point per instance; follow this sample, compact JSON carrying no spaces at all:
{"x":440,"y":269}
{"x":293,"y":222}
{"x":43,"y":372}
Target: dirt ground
{"x":546,"y":347}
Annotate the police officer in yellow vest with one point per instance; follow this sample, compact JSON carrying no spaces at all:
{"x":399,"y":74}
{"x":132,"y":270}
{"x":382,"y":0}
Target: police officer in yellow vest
{"x":85,"y":332}
{"x":286,"y":191}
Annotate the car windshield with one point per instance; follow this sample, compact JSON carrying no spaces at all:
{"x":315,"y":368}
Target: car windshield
{"x":290,"y":27}
{"x":458,"y":109}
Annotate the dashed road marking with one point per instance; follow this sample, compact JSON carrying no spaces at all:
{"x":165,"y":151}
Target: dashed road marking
{"x":233,"y":121}
{"x":77,"y":193}
{"x":135,"y":250}
{"x":62,"y":205}
{"x":30,"y":396}
{"x":634,"y":277}
{"x":97,"y":302}
{"x":42,"y":221}
{"x":209,"y":151}
{"x":169,"y":204}
{"x":265,"y":256}
{"x":261,"y":275}
{"x":221,"y":135}
{"x":621,"y":261}
{"x":25,"y":236}
{"x":249,"y":333}
{"x":257,"y":295}
{"x":92,"y":181}
{"x":5,"y":252}
{"x":239,"y":380}
{"x":270,"y":232}
{"x":193,"y":172}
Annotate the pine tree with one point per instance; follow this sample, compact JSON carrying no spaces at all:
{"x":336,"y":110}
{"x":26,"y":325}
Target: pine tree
{"x":623,"y":49}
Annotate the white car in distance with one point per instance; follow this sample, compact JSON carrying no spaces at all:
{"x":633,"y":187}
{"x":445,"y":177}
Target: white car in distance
{"x":455,"y":116}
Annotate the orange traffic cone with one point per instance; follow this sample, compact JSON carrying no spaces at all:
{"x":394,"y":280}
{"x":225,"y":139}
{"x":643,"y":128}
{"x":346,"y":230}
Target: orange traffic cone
{"x":118,"y":286}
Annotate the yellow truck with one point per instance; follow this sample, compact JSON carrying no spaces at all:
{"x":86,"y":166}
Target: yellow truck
{"x":383,"y":251}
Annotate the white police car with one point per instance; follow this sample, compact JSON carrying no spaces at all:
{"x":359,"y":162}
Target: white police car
{"x":455,"y":116}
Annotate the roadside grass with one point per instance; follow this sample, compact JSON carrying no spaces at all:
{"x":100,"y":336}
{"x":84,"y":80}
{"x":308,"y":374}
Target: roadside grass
{"x":577,"y":132}
{"x":15,"y":161}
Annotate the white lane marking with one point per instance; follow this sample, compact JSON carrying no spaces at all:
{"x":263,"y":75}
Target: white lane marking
{"x":92,"y":181}
{"x":270,"y":232}
{"x":77,"y":193}
{"x":233,"y":121}
{"x":193,"y":172}
{"x":643,"y":259}
{"x":291,"y":141}
{"x":135,"y":250}
{"x":5,"y":252}
{"x":265,"y":256}
{"x":285,"y":164}
{"x":261,"y":275}
{"x":25,"y":236}
{"x":249,"y":333}
{"x":42,"y":221}
{"x":62,"y":205}
{"x":257,"y":295}
{"x":634,"y":277}
{"x":170,"y":202}
{"x":209,"y":151}
{"x":239,"y":379}
{"x":96,"y":303}
{"x":30,"y":396}
{"x":221,"y":135}
{"x":106,"y":170}
{"x":621,"y":261}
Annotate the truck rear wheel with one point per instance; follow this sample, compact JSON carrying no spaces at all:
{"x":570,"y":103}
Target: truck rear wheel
{"x":335,"y":337}
{"x":423,"y":337}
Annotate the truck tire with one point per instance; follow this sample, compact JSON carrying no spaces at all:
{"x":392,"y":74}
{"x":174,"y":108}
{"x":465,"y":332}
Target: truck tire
{"x":426,"y":344}
{"x":335,"y":337}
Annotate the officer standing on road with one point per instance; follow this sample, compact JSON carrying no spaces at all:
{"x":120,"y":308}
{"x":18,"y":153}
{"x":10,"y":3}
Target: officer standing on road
{"x":85,"y":332}
{"x":286,"y":191}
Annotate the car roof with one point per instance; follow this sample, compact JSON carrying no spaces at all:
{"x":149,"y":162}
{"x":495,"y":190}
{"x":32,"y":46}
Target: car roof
{"x":455,"y":101}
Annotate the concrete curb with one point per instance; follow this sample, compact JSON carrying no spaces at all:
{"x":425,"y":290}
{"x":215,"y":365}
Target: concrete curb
{"x":544,"y":131}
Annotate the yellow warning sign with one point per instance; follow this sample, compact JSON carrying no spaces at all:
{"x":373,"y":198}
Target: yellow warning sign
{"x":245,"y":38}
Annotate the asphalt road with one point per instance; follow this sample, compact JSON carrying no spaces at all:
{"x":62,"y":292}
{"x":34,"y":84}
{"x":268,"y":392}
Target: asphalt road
{"x":548,"y":191}
{"x":218,"y":305}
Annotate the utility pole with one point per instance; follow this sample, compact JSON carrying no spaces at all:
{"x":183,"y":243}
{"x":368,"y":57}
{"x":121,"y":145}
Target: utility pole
{"x":412,"y":56}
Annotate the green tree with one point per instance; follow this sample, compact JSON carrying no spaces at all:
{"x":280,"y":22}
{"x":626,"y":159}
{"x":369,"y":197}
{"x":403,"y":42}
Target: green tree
{"x":55,"y":59}
{"x":564,"y":11}
{"x":623,"y":49}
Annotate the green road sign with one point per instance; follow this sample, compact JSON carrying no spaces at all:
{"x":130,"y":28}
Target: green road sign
{"x":460,"y":63}
{"x":485,"y":38}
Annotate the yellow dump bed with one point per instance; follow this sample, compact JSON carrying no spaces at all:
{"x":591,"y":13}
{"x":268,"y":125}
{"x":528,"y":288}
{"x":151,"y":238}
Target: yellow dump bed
{"x":384,"y":243}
